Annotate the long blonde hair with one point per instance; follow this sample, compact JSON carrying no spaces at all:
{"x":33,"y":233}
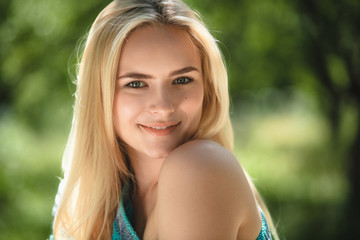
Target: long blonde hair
{"x":94,"y":163}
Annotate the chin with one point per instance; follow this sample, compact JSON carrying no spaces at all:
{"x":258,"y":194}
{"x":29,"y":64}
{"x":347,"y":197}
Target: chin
{"x":160,"y":151}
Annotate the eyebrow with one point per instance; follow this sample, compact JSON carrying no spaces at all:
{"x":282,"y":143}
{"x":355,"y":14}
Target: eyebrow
{"x":136,"y":75}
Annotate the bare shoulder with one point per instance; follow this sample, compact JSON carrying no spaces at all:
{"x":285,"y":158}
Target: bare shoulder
{"x":201,"y":154}
{"x":203,"y":194}
{"x":203,"y":161}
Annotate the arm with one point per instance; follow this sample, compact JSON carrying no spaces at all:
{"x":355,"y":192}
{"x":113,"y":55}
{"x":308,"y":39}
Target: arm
{"x":204,"y":194}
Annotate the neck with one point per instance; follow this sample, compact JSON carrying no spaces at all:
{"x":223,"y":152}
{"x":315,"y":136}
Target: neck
{"x":147,"y":171}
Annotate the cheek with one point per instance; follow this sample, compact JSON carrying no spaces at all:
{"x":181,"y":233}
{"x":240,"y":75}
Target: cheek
{"x":125,"y":110}
{"x":193,"y":103}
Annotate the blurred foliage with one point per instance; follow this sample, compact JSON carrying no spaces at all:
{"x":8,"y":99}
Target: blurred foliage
{"x":294,"y":82}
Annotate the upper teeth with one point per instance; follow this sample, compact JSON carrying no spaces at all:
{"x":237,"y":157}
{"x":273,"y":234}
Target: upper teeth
{"x":160,"y":128}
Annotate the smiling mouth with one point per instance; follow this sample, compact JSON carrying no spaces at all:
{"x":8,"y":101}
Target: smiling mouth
{"x":160,"y":129}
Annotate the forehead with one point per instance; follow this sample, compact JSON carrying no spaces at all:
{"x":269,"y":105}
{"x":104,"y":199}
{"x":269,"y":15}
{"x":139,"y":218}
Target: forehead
{"x":154,"y":45}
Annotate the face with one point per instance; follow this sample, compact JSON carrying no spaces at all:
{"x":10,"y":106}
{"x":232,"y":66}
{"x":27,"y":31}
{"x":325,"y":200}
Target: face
{"x":159,"y":91}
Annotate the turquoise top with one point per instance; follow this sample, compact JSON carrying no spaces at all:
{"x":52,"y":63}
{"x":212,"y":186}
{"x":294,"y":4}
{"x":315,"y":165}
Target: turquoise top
{"x":122,"y":229}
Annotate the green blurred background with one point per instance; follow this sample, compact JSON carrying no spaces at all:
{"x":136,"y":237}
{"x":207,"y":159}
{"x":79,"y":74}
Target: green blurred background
{"x":294,"y":70}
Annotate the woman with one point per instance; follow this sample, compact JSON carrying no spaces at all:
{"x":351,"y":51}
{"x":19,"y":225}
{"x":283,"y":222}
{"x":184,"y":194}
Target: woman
{"x":151,"y":127}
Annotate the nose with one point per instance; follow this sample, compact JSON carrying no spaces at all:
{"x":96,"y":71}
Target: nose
{"x":161,"y":102}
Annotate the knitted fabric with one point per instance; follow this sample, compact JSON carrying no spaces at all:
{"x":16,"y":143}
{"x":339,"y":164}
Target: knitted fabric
{"x":265,"y":233}
{"x":122,"y":229}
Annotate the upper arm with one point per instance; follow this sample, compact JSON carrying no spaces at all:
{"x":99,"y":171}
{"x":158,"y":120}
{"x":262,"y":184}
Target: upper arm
{"x":203,"y":194}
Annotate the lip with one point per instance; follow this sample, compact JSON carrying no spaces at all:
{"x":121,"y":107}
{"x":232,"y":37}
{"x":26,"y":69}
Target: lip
{"x":160,"y":129}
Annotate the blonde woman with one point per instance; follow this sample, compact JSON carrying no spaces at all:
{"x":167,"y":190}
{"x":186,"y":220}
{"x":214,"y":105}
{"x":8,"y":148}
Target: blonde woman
{"x":150,"y":151}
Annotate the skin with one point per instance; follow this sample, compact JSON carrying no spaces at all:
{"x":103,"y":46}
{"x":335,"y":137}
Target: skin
{"x":204,"y":194}
{"x":184,"y":188}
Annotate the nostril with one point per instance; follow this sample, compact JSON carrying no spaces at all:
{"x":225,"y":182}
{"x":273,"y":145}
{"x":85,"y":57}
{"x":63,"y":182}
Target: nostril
{"x":159,"y":107}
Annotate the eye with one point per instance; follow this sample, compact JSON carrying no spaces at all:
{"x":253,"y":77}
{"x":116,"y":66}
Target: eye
{"x":182,"y":80}
{"x":136,"y":84}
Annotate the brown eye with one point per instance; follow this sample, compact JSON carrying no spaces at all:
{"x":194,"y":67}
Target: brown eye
{"x":182,"y":80}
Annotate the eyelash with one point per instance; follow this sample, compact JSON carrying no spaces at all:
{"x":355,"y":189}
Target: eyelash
{"x":140,"y":84}
{"x":187,"y":79}
{"x":131,"y":84}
